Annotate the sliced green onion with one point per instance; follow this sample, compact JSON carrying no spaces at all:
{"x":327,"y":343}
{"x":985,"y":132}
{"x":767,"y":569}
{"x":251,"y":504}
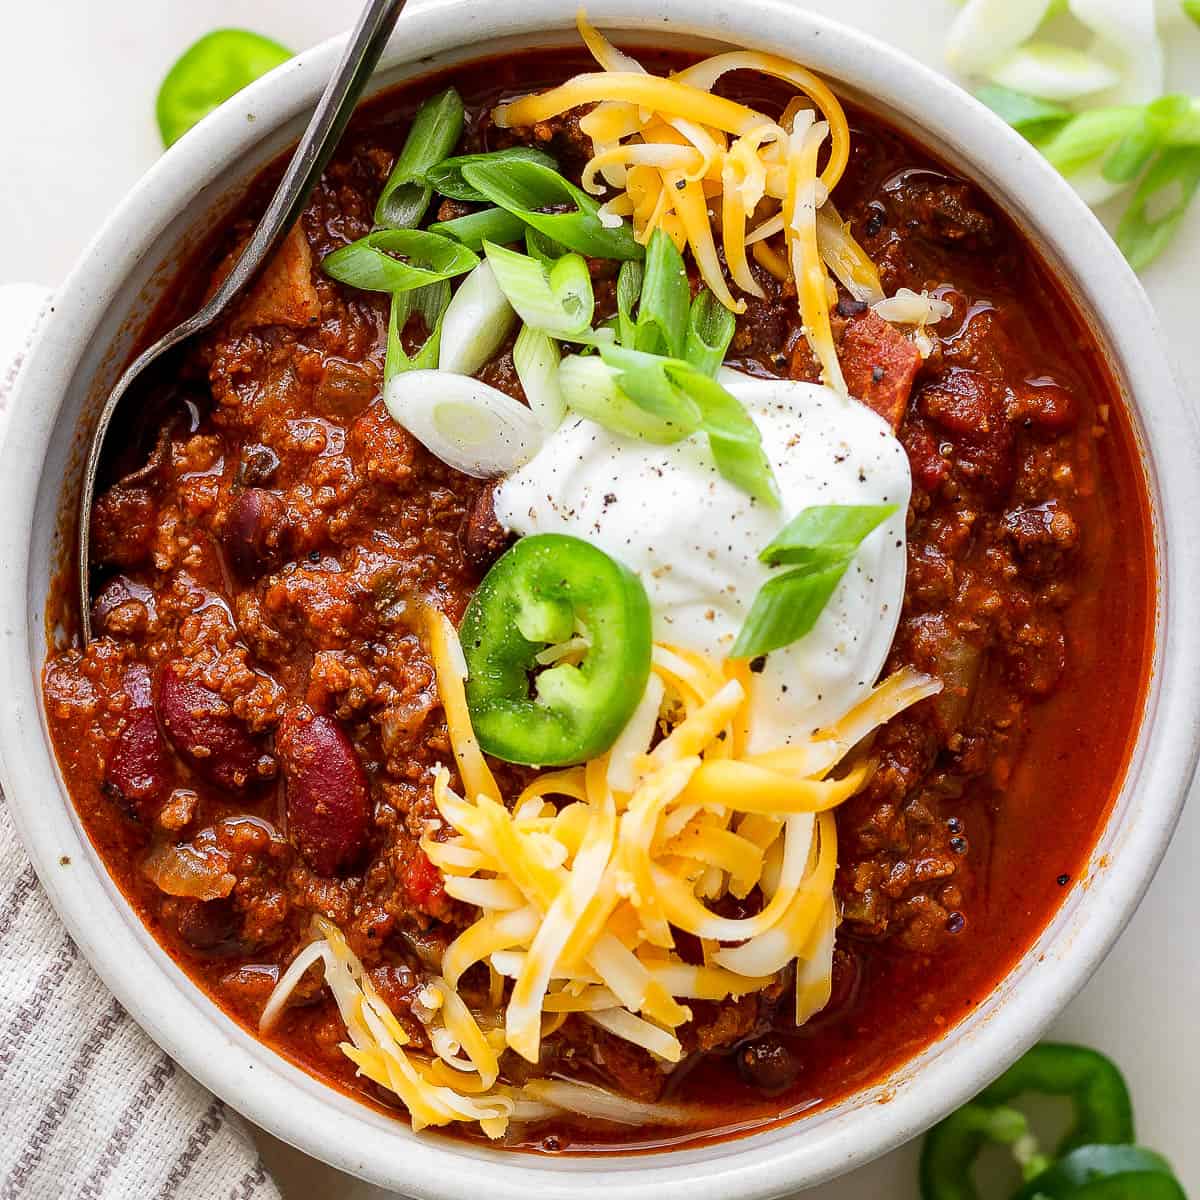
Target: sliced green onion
{"x":785,"y":609}
{"x":647,"y":380}
{"x":676,"y":392}
{"x":629,"y":288}
{"x":377,"y":263}
{"x":1087,"y":135}
{"x":1052,"y":72}
{"x":558,"y":300}
{"x":446,"y":178}
{"x":659,"y":288}
{"x":819,"y":543}
{"x":545,"y":249}
{"x":824,"y":530}
{"x":208,"y":73}
{"x":532,"y":192}
{"x":1192,"y":9}
{"x":490,"y":225}
{"x":1158,"y":205}
{"x":434,"y":133}
{"x":986,"y":29}
{"x":590,"y":389}
{"x":473,"y":427}
{"x":1026,"y":114}
{"x":710,"y":329}
{"x":536,"y":358}
{"x":666,"y":296}
{"x":430,"y":301}
{"x":1135,"y":150}
{"x":477,"y":322}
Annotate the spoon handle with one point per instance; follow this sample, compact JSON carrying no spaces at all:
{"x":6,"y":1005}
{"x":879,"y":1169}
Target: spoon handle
{"x":333,"y":111}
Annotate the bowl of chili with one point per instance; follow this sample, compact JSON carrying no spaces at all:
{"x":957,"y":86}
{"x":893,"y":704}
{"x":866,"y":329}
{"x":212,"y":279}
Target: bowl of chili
{"x":96,"y":322}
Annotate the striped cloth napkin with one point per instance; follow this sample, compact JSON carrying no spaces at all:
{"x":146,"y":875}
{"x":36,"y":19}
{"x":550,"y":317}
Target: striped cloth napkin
{"x":90,"y":1107}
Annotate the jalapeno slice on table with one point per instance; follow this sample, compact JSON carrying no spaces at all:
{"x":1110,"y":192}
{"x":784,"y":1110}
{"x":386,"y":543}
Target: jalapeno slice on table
{"x":1094,"y":1160}
{"x":549,"y":596}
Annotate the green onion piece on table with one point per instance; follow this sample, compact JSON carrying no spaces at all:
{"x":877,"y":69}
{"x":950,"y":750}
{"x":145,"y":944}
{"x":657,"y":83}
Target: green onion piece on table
{"x":1159,"y":204}
{"x":1026,"y":114}
{"x":446,"y":177}
{"x":557,"y":300}
{"x":710,"y":329}
{"x":530,"y":191}
{"x":434,"y":133}
{"x":818,"y":544}
{"x":1135,"y":150}
{"x":398,"y":260}
{"x":488,"y":225}
{"x":207,"y":74}
{"x":546,"y":591}
{"x":430,"y":302}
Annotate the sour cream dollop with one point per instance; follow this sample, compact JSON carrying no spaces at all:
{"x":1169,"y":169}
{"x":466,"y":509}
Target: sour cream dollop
{"x":694,"y":538}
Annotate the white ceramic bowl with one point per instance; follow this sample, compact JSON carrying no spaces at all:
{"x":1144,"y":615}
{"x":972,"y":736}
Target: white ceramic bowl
{"x":89,"y":335}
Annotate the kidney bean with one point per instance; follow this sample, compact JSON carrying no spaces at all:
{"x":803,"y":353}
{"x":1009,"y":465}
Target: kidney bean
{"x":253,"y":533}
{"x":483,"y":537}
{"x":206,"y":734}
{"x":138,"y":772}
{"x":328,"y":799}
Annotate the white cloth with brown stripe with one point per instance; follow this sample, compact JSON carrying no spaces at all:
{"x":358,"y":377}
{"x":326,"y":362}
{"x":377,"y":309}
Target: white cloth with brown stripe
{"x":90,"y":1107}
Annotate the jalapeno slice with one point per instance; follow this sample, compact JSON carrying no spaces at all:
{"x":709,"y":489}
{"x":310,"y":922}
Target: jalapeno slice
{"x":548,"y":591}
{"x":216,"y":67}
{"x":1087,"y":1165}
{"x":1094,"y":1160}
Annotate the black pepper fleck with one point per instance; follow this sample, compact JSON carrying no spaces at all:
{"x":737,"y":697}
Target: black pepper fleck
{"x":877,"y":374}
{"x":955,"y":922}
{"x":314,"y":556}
{"x":1063,"y":880}
{"x":958,"y":845}
{"x":758,"y":665}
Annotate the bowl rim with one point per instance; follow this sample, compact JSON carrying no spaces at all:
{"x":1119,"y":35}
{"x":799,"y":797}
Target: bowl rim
{"x":279,"y":1096}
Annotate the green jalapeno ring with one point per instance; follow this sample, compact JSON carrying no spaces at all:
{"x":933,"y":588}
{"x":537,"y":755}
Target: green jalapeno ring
{"x":1093,"y":1083}
{"x":1088,"y":1164}
{"x":540,"y":593}
{"x":1103,"y":1114}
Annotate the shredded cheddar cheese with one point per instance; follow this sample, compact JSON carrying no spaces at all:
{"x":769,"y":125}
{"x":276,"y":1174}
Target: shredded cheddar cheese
{"x":582,"y":884}
{"x":684,"y":160}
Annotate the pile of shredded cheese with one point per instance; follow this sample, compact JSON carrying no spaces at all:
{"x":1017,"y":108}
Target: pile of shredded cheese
{"x":682,"y":159}
{"x":583,"y":883}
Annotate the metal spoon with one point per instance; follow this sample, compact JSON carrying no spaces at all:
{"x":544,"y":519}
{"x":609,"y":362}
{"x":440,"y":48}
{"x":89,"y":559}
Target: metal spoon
{"x":337,"y":102}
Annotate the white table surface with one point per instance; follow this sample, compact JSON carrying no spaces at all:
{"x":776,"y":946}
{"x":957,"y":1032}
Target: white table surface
{"x":77,"y":86}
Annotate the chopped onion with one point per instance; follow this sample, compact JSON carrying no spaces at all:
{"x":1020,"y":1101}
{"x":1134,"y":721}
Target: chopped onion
{"x":476,"y":323}
{"x":469,"y":425}
{"x":987,"y":30}
{"x":1052,"y":72}
{"x":189,"y":872}
{"x":907,"y":307}
{"x":536,"y":358}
